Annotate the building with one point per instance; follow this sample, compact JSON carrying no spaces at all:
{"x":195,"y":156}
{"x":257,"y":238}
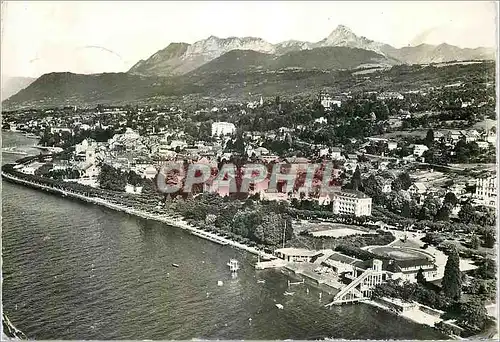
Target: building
{"x":407,"y":270}
{"x":417,"y":189}
{"x":351,"y":202}
{"x":150,"y":172}
{"x":295,"y":254}
{"x":223,"y":128}
{"x":486,"y":190}
{"x":31,"y":168}
{"x":327,"y":102}
{"x":392,"y":145}
{"x":336,"y":153}
{"x":387,"y":186}
{"x":340,"y":263}
{"x":390,"y":95}
{"x":321,"y":120}
{"x":54,"y":130}
{"x":365,"y":275}
{"x":419,"y":150}
{"x":132,"y":189}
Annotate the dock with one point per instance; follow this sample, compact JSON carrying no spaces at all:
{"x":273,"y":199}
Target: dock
{"x":270,"y":264}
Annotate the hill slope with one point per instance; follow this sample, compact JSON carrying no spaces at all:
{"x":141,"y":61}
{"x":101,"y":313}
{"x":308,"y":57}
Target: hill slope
{"x":58,"y":89}
{"x":55,"y":89}
{"x":323,"y":58}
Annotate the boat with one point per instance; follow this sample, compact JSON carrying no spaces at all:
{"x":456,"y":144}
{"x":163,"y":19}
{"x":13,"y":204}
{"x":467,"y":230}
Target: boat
{"x":288,"y":293}
{"x":175,"y":265}
{"x":279,"y":306}
{"x":261,"y":281}
{"x":233,"y":265}
{"x":220,"y":283}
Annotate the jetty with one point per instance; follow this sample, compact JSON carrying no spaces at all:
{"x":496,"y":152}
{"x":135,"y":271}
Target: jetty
{"x":270,"y":264}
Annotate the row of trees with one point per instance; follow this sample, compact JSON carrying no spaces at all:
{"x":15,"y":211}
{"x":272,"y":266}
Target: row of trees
{"x":263,"y":223}
{"x":111,"y":178}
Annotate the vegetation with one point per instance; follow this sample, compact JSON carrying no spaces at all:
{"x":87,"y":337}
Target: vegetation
{"x":452,"y":279}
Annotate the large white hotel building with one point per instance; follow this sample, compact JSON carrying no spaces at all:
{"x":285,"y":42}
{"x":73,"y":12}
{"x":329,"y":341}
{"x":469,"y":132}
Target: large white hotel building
{"x":351,"y":202}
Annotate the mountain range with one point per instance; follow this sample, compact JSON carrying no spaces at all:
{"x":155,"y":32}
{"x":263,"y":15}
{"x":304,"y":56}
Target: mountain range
{"x":233,"y":66}
{"x":181,"y":58}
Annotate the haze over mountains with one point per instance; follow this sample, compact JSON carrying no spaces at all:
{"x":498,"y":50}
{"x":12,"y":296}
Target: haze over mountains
{"x":226,"y":65}
{"x":12,"y":85}
{"x":181,"y":58}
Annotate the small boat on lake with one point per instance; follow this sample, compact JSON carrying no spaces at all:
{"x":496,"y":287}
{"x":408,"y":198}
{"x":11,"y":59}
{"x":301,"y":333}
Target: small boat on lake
{"x":279,"y":306}
{"x":261,"y":281}
{"x":175,"y":265}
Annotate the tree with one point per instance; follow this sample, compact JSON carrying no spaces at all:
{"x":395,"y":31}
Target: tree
{"x":405,"y":211}
{"x":402,"y":182}
{"x":475,"y":242}
{"x":443,"y":214}
{"x":489,"y":239}
{"x":355,"y":183}
{"x":270,"y":230}
{"x":473,"y":314}
{"x":466,"y":214}
{"x":487,"y":269}
{"x":420,"y":277}
{"x":429,"y":138}
{"x":429,"y":208}
{"x":452,"y":279}
{"x":373,"y":188}
{"x":450,"y":198}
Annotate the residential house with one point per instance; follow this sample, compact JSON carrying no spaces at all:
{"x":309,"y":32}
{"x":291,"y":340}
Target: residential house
{"x":417,"y":189}
{"x":392,"y":145}
{"x":418,"y":150}
{"x":336,"y":153}
{"x":387,"y":186}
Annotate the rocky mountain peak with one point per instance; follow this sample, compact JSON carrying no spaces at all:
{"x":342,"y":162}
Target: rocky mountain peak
{"x":342,"y":36}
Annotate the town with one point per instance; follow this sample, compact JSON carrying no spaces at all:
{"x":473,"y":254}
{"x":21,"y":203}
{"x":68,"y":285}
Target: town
{"x":408,"y":223}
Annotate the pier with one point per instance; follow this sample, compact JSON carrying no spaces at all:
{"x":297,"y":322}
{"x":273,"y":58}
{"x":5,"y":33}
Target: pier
{"x":270,"y":264}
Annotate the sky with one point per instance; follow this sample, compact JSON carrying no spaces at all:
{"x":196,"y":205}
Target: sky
{"x":99,"y":36}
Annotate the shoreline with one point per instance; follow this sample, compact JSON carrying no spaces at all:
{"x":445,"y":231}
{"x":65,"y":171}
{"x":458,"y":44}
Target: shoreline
{"x":182,"y":224}
{"x":421,"y":319}
{"x":164,"y":218}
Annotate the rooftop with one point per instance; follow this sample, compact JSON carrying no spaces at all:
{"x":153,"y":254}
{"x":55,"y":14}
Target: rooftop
{"x":352,"y":194}
{"x":296,"y":251}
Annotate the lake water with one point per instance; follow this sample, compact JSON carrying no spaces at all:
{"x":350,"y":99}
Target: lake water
{"x":77,"y":271}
